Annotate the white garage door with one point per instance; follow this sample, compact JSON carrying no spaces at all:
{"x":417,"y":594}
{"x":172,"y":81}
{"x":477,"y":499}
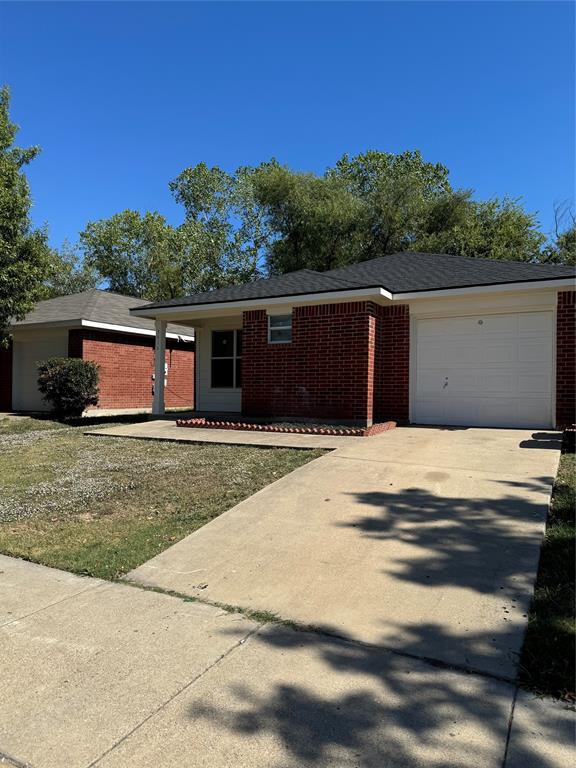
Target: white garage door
{"x":485,"y":370}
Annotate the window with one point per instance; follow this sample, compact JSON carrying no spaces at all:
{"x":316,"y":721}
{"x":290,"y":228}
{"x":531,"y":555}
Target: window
{"x":226,"y":370}
{"x":279,"y":329}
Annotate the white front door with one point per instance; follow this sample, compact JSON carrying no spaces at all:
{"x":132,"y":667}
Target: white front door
{"x":484,"y":370}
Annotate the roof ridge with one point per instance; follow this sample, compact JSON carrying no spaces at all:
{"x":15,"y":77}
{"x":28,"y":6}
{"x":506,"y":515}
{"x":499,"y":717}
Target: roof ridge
{"x":91,"y":305}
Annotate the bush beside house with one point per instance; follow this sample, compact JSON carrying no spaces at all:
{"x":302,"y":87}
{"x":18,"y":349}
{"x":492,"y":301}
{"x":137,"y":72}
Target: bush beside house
{"x":68,"y":384}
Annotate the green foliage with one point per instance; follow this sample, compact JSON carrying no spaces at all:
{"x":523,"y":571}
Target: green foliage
{"x":379,"y":203}
{"x":144,"y":256}
{"x":496,"y":229}
{"x":69,"y":384}
{"x":69,"y":273}
{"x":562,"y":249}
{"x":24,"y":254}
{"x":223,"y":208}
{"x":402,"y":195}
{"x":317,"y":222}
{"x":547,"y":664}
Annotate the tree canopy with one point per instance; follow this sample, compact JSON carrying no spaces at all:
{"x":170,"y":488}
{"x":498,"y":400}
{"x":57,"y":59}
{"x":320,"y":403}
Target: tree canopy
{"x":24,"y":253}
{"x":379,"y":203}
{"x":68,"y":273}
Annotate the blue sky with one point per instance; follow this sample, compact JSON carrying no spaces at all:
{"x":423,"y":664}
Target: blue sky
{"x":123,"y":96}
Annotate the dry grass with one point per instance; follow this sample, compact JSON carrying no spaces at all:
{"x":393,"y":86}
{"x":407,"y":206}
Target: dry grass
{"x":102,"y":506}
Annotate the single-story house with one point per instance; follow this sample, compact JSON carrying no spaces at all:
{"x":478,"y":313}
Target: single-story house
{"x":414,"y":337}
{"x":97,"y":325}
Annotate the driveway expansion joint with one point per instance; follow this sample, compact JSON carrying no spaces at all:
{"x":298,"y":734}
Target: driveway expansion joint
{"x":509,"y":729}
{"x":295,"y":626}
{"x":334,"y":454}
{"x":14,"y":762}
{"x":90,"y":588}
{"x":171,"y":698}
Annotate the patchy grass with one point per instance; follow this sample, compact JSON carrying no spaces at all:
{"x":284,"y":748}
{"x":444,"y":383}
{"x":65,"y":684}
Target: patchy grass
{"x":102,"y":506}
{"x":547,"y":664}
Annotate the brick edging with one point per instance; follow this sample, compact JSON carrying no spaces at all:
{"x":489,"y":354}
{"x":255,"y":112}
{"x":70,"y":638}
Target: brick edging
{"x":203,"y":423}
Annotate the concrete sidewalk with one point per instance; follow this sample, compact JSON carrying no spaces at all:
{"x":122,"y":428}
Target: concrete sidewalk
{"x":167,"y":430}
{"x":424,"y":541}
{"x":103,"y":675}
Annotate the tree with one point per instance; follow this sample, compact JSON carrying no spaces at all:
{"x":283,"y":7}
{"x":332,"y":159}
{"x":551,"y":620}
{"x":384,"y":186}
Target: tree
{"x":379,"y":203}
{"x":270,"y":219}
{"x":69,"y":273}
{"x":219,"y":242}
{"x":126,"y":250}
{"x":562,"y":248}
{"x":224,"y":208}
{"x":24,"y":253}
{"x":400,"y":193}
{"x":495,"y":229}
{"x":316,"y":222}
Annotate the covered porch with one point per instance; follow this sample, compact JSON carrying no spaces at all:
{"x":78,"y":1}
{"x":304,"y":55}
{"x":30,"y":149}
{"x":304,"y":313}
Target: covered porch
{"x":298,"y":358}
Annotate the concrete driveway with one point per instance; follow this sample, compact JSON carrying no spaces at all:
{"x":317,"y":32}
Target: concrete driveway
{"x":424,"y":541}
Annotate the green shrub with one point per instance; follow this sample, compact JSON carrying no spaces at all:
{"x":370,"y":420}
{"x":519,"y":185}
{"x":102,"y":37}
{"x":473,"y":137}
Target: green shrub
{"x":68,"y":384}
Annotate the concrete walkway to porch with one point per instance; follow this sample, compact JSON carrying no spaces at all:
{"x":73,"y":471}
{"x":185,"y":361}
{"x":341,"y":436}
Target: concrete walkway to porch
{"x":162,"y":429}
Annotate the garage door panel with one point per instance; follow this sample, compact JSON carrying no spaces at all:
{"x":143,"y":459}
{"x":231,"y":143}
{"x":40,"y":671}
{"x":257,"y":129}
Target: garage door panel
{"x":493,"y":370}
{"x":533,"y":352}
{"x":536,"y":322}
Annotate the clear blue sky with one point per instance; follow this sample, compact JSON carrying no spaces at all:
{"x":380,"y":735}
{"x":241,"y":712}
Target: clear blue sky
{"x":123,"y":96}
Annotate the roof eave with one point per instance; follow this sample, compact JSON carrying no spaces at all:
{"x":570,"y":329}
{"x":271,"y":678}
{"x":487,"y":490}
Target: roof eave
{"x":175,"y":311}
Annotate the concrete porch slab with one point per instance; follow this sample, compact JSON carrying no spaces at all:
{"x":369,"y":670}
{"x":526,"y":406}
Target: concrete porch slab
{"x":167,"y":430}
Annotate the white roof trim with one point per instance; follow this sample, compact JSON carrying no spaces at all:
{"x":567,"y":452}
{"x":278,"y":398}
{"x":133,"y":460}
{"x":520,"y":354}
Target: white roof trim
{"x":131,"y":329}
{"x":246,"y":304}
{"x":352,"y":293}
{"x":499,"y":288}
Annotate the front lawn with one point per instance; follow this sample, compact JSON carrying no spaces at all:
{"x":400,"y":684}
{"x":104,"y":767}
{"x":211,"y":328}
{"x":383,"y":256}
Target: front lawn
{"x":547,"y":664}
{"x":102,"y":505}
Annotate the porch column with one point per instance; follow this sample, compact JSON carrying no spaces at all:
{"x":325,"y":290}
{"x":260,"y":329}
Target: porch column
{"x":158,"y":407}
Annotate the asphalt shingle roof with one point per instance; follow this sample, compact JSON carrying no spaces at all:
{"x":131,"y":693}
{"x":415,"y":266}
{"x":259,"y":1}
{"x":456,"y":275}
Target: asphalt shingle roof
{"x":398,"y":273}
{"x":96,"y":306}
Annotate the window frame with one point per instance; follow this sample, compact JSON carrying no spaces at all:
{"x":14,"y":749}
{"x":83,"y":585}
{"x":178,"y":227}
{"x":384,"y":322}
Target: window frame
{"x":286,"y":327}
{"x":234,"y":357}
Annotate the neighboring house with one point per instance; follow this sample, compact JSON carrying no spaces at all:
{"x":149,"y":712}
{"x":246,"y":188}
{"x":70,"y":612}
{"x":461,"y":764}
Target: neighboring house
{"x":419,"y":337}
{"x":96,"y":325}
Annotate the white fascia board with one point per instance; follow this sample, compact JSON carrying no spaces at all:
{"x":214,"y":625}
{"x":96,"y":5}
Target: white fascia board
{"x":247,"y":304}
{"x":350,"y":294}
{"x":499,"y":288}
{"x":131,"y":329}
{"x":16,"y":327}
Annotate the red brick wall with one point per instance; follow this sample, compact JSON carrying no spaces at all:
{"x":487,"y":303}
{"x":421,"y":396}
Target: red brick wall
{"x":392,"y":363}
{"x":6,"y":378}
{"x":326,"y":372}
{"x":127,"y":364}
{"x":566,"y":359}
